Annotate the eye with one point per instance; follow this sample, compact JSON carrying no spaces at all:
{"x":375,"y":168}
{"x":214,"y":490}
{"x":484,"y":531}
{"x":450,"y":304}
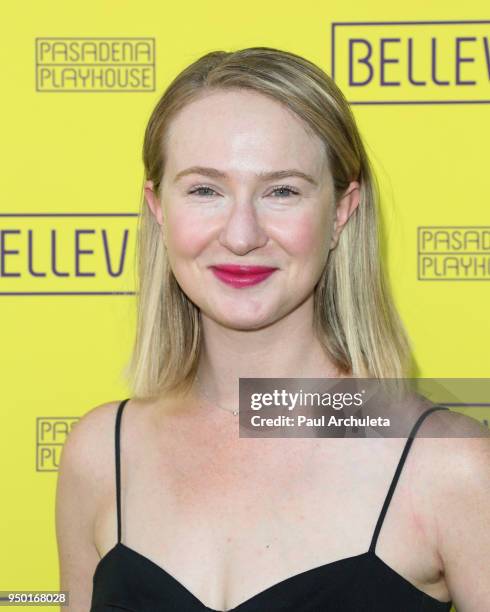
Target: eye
{"x":281,"y":190}
{"x":285,"y":189}
{"x":198,"y":190}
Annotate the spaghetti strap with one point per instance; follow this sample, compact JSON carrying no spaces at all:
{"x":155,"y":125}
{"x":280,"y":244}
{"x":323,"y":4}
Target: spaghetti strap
{"x":118,"y":466}
{"x":398,"y":470}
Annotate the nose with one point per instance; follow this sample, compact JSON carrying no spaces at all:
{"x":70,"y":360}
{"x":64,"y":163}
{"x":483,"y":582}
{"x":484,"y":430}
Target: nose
{"x":242,"y":231}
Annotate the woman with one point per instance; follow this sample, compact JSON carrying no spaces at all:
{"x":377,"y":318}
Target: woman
{"x":253,"y":158}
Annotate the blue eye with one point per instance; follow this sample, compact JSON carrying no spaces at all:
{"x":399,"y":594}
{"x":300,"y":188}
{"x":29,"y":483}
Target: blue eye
{"x":282,"y":190}
{"x":285,"y":188}
{"x":200,"y":189}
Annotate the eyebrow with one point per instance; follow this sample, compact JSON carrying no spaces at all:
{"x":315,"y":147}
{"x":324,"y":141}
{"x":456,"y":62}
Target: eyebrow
{"x":276,"y":174}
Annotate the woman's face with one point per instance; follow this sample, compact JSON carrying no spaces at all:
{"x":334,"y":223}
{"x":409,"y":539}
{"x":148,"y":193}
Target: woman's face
{"x":219,"y":207}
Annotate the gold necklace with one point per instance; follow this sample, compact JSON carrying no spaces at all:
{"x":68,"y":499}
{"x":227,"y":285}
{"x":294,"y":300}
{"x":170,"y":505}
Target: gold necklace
{"x":210,"y":400}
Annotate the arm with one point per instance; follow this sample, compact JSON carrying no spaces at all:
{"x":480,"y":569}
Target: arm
{"x":79,"y":484}
{"x":463,"y":523}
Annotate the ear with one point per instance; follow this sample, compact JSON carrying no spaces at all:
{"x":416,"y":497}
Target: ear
{"x":344,"y":209}
{"x":153,"y":202}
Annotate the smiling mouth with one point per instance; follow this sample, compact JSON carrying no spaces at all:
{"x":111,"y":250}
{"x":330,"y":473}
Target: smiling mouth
{"x":242,"y":276}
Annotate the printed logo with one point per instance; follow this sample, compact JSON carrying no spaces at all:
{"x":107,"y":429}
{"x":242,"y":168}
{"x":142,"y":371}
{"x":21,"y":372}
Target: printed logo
{"x":454,"y":253}
{"x":95,"y":64}
{"x":412,"y":62}
{"x":51,"y":434}
{"x":67,"y":253}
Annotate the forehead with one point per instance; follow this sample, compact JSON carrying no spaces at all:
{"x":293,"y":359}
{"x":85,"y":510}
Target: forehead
{"x":241,"y":130}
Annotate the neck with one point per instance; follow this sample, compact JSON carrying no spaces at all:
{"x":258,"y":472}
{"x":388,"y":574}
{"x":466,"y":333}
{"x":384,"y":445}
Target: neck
{"x":287,"y":348}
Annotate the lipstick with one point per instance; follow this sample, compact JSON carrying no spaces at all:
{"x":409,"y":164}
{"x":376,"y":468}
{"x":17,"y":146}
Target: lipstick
{"x":241,"y":276}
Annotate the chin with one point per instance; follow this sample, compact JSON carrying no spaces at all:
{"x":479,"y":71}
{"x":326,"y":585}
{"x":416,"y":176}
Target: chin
{"x":244,"y":322}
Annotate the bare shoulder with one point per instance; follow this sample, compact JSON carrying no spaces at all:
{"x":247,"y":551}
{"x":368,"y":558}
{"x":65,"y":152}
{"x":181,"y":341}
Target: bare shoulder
{"x":88,"y":436}
{"x":466,"y":456}
{"x":88,"y":449}
{"x":452,"y":448}
{"x":455,"y":444}
{"x":86,"y":464}
{"x":453,"y":474}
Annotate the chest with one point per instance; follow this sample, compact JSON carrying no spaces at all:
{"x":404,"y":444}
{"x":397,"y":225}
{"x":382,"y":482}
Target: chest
{"x":243,"y":503}
{"x":214,"y":512}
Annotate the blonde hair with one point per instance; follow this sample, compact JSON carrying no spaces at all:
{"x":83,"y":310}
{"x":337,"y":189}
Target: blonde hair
{"x":354,"y":315}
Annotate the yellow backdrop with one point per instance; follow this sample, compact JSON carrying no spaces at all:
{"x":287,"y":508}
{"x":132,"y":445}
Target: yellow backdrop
{"x":79,"y":82}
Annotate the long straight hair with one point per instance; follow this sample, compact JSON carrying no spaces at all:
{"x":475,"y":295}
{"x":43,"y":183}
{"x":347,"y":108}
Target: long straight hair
{"x":354,"y":314}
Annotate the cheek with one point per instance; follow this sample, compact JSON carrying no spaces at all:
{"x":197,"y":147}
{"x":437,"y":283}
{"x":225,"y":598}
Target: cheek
{"x":305,"y":236}
{"x":184,"y":235}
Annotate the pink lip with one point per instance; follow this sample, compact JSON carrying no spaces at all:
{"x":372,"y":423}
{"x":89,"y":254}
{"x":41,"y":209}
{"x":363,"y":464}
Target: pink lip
{"x":242,"y":276}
